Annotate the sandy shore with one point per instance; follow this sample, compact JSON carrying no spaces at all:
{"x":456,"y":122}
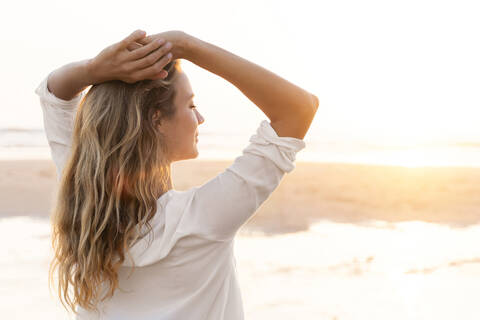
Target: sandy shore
{"x":312,"y":192}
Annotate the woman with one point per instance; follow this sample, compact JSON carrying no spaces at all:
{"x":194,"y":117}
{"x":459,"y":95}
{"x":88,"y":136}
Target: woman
{"x":116,"y":208}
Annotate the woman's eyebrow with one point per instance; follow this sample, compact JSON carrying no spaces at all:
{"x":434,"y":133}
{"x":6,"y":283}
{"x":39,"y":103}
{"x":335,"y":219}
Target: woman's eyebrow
{"x":191,"y":96}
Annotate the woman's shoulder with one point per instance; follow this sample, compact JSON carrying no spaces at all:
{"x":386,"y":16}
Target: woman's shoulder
{"x":176,"y":198}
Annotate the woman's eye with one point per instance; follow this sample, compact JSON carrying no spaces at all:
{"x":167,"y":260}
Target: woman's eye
{"x":193,"y":107}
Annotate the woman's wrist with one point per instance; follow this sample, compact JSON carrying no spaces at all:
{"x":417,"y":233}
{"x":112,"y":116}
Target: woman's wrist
{"x":192,"y":45}
{"x":182,"y":43}
{"x":186,"y":46}
{"x":90,"y":73}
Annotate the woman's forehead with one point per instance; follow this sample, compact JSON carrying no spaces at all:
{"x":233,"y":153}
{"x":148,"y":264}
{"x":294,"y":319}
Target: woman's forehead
{"x":184,"y":88}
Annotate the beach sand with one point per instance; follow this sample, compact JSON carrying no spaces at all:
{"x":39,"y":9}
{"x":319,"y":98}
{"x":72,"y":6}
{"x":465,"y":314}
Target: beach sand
{"x":334,"y":241}
{"x":311,"y":192}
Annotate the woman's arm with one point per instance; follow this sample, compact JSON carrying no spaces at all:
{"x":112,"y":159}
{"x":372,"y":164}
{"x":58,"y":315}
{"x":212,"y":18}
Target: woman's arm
{"x":289,"y":108}
{"x":115,"y":62}
{"x":71,"y":79}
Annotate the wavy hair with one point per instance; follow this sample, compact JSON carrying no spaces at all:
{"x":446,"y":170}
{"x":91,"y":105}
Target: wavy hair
{"x":117,"y":170}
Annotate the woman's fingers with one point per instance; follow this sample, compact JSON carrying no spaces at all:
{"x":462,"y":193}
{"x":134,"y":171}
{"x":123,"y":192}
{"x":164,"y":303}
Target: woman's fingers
{"x":151,"y":58}
{"x":146,"y":57}
{"x":145,"y":50}
{"x":133,"y":46}
{"x":135,"y":36}
{"x":153,"y":71}
{"x":146,"y":40}
{"x":162,"y":75}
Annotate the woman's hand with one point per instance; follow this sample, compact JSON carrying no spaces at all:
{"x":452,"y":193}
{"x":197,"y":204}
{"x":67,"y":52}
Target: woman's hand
{"x":119,"y":62}
{"x":178,"y":39}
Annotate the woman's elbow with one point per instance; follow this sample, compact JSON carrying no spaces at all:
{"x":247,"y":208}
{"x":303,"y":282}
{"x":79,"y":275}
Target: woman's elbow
{"x":316,"y":102}
{"x":313,"y":105}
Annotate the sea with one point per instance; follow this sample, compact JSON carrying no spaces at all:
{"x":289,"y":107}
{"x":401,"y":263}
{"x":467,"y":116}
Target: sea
{"x":20,"y":143}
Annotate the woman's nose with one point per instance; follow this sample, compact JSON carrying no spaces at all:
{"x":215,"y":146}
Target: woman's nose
{"x":200,"y":118}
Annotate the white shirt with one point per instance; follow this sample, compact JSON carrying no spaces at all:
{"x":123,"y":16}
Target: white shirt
{"x":188,"y":271}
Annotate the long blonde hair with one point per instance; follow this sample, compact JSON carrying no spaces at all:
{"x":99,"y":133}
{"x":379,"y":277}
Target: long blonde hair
{"x":110,"y":185}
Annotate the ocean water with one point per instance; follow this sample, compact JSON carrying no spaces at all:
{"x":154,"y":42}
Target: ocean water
{"x":32,"y":144}
{"x":409,"y":270}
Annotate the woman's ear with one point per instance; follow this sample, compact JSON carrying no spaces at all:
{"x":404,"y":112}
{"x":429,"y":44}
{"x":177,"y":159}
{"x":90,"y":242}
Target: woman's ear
{"x":156,"y":120}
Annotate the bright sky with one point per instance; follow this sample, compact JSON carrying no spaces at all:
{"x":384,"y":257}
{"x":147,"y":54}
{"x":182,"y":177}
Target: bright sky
{"x":401,"y":72}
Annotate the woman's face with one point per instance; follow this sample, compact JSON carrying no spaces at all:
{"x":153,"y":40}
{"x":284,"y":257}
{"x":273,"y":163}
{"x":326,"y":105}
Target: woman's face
{"x":181,"y":131}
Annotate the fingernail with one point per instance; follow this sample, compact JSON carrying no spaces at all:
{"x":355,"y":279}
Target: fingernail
{"x":160,"y":41}
{"x":168,"y":45}
{"x":169,"y":56}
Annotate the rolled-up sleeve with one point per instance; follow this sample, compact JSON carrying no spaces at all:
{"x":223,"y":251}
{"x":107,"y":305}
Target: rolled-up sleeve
{"x":219,"y":207}
{"x":58,"y":119}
